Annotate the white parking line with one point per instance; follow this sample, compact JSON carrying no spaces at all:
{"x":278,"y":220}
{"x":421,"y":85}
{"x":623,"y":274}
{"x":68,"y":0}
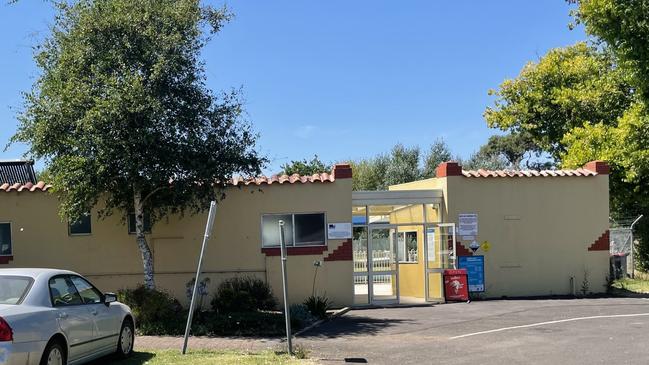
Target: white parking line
{"x":546,"y":323}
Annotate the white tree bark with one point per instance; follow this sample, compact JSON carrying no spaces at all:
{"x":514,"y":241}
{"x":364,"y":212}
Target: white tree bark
{"x":145,"y":250}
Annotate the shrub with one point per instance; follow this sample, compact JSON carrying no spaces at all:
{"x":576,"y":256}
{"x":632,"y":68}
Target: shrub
{"x":155,"y":311}
{"x":243,"y":294}
{"x":301,"y":316}
{"x":318,"y":305}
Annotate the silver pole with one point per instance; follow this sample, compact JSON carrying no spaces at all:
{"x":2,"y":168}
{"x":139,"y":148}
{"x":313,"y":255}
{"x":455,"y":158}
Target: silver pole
{"x":206,"y":237}
{"x":287,"y":313}
{"x":633,"y":247}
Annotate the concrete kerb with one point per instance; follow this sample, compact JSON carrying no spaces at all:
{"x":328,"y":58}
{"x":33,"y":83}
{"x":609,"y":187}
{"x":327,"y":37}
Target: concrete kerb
{"x":315,"y":324}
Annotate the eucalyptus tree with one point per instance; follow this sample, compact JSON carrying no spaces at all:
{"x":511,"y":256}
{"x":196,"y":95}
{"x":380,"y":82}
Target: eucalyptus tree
{"x":122,"y":116}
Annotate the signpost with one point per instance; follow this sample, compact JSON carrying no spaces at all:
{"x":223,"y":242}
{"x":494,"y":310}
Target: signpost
{"x":208,"y":230}
{"x":287,"y":313}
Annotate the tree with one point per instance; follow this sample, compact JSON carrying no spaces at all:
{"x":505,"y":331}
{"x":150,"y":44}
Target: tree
{"x":624,"y":27}
{"x":403,"y":166}
{"x":566,"y":88}
{"x":121,"y":114}
{"x":439,"y":152}
{"x":369,"y":174}
{"x":305,"y":167}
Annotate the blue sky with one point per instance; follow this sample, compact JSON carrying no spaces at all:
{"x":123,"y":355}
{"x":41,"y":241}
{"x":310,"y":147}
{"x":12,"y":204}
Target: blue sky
{"x":342,"y":79}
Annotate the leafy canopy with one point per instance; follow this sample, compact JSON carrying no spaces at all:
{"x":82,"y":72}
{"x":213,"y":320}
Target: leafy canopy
{"x":305,"y":167}
{"x":121,"y":106}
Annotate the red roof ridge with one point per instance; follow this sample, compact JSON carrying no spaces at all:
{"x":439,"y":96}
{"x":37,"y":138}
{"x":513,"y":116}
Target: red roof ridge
{"x":529,"y":173}
{"x":29,"y":187}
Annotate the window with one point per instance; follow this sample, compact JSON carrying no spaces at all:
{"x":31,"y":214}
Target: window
{"x":131,"y":223}
{"x":63,"y":292}
{"x":80,"y":227}
{"x":88,"y":293}
{"x":14,"y":288}
{"x":5,"y":239}
{"x":303,"y":229}
{"x":407,"y":246}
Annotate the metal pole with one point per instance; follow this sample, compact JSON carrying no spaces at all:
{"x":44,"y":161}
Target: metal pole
{"x":287,"y":312}
{"x":633,"y":247}
{"x":206,"y":237}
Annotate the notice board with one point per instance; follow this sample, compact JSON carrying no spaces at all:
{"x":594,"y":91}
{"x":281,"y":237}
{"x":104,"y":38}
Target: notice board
{"x":474,"y":266}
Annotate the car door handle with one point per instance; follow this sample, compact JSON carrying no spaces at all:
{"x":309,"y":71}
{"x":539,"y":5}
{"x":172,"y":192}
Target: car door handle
{"x":63,"y":315}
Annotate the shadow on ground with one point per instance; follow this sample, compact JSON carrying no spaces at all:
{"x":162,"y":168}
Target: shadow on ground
{"x":138,"y":358}
{"x":352,"y":326}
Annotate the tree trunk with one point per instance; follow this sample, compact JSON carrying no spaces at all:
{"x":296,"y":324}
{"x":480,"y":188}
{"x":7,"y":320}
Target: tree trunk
{"x":140,"y":238}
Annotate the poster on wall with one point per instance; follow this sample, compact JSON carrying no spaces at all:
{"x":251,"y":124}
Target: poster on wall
{"x":468,"y":224}
{"x":339,"y":231}
{"x":430,"y":238}
{"x":474,"y":266}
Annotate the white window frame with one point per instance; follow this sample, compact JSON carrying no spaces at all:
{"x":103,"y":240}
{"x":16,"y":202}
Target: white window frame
{"x":405,"y":246}
{"x":11,"y":238}
{"x":293,"y":214}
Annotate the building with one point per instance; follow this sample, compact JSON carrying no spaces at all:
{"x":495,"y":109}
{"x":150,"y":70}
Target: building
{"x":540,"y":233}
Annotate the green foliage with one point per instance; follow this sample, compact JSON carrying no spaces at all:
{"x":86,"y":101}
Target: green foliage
{"x":624,"y":26}
{"x":243,"y":294}
{"x":437,"y":153}
{"x":566,"y":88}
{"x":318,"y":305}
{"x":154,"y":310}
{"x":403,"y":166}
{"x":369,"y":174}
{"x":301,"y":315}
{"x":305,"y":167}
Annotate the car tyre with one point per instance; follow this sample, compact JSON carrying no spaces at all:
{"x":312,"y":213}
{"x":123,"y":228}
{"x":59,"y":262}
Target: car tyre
{"x":54,"y":354}
{"x":126,"y":339}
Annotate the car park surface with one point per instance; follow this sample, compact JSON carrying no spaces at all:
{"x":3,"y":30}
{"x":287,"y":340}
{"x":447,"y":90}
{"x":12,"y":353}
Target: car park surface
{"x":568,"y":331}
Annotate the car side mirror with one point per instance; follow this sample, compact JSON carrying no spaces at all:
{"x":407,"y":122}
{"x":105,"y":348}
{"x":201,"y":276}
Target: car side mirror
{"x":109,"y":298}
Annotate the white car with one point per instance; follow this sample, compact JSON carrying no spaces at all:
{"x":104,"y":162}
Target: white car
{"x":56,"y":317}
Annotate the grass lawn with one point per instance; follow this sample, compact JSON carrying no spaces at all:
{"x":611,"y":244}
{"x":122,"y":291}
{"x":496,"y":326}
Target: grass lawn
{"x":638,"y":285}
{"x":173,"y":357}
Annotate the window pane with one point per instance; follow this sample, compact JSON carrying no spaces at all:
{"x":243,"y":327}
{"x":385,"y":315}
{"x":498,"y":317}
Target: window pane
{"x":89,"y":294}
{"x":5,"y":239}
{"x":359,"y":215}
{"x":82,"y":226}
{"x":309,"y":229}
{"x":13,"y":289}
{"x":131,"y":223}
{"x":63,"y":292}
{"x":270,"y":229}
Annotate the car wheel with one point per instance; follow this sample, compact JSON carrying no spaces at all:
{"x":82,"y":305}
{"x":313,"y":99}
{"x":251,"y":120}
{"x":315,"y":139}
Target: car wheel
{"x":126,"y":339}
{"x":53,"y":354}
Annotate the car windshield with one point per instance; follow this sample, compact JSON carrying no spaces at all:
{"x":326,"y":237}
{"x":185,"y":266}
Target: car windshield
{"x":13,"y":288}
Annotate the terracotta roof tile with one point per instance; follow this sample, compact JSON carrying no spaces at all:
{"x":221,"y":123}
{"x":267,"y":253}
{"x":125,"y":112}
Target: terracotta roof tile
{"x":284,"y":179}
{"x":528,"y":173}
{"x":29,"y":187}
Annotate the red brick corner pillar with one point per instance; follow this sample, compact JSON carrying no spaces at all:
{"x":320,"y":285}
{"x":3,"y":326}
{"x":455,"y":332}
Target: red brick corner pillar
{"x":449,"y":169}
{"x":342,"y":171}
{"x":600,"y":167}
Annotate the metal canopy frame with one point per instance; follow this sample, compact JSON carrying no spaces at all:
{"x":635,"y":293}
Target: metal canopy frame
{"x":396,"y":197}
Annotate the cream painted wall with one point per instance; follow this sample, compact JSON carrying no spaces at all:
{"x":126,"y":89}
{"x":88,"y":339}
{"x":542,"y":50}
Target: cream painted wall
{"x":110,"y":258}
{"x":539,"y":229}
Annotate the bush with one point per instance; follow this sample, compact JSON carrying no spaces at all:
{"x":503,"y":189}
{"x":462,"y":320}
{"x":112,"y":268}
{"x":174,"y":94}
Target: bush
{"x":301,"y":316}
{"x":318,"y":305}
{"x":243,"y":294}
{"x":155,"y":311}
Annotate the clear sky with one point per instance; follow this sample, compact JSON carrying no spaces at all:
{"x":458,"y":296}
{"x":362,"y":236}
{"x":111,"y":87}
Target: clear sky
{"x":342,"y":79}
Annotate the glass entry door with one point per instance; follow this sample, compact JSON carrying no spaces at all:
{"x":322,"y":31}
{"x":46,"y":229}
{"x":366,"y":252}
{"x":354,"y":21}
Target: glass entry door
{"x":383,"y":265}
{"x":439,"y":254}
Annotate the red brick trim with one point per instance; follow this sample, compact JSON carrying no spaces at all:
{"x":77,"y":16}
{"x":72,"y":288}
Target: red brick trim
{"x":342,"y":171}
{"x":5,"y":259}
{"x":294,"y":251}
{"x":448,"y":169}
{"x":459,"y":247}
{"x":600,"y":167}
{"x":602,"y":243}
{"x":342,"y":253}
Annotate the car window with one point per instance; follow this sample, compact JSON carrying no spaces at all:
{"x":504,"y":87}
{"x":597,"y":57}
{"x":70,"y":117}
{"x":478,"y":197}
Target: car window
{"x":63,"y":292}
{"x":88,"y":293}
{"x":14,"y":288}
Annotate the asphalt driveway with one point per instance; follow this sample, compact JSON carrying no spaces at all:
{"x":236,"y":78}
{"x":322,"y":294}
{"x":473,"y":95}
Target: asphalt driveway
{"x":575,"y":331}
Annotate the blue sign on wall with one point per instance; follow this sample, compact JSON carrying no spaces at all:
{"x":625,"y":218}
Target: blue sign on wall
{"x":474,"y":266}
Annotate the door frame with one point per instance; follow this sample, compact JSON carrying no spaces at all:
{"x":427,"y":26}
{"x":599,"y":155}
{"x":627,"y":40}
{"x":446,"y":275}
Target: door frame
{"x":453,"y":256}
{"x":393,"y":272}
